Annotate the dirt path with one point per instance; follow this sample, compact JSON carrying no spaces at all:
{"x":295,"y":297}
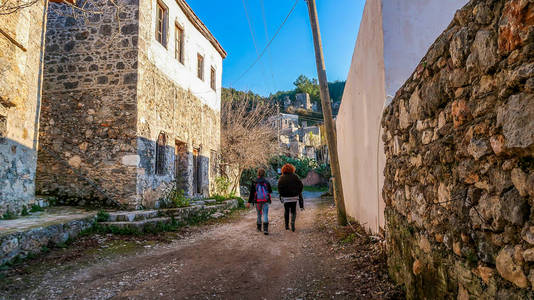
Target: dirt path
{"x":228,"y":261}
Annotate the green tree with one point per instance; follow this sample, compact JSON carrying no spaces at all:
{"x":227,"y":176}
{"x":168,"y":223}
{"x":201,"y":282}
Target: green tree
{"x":306,"y":85}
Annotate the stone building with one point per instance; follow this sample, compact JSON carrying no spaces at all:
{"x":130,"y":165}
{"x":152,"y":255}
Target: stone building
{"x":302,"y":100}
{"x":130,"y":111}
{"x":21,"y":40}
{"x":459,"y":173}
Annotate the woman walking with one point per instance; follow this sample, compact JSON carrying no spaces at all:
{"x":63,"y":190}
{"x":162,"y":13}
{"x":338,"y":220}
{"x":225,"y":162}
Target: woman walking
{"x":290,"y":189}
{"x":260,"y":194}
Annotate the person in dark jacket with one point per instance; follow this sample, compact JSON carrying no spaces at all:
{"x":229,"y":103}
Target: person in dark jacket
{"x":260,"y":194}
{"x":290,"y":189}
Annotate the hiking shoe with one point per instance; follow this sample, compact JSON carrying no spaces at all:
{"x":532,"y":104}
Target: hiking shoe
{"x":293,"y":227}
{"x":266,"y":228}
{"x":258,"y":226}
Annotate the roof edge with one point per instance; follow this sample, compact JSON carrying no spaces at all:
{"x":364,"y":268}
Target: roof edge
{"x":195,"y":20}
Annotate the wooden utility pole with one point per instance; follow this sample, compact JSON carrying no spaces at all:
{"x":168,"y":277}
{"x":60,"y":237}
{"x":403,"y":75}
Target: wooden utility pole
{"x":327,"y":114}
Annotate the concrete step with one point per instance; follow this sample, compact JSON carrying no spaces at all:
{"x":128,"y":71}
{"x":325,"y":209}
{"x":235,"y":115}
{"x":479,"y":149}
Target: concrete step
{"x":131,"y":216}
{"x":139,"y":225}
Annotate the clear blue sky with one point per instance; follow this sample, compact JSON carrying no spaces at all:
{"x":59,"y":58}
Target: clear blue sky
{"x":291,"y":53}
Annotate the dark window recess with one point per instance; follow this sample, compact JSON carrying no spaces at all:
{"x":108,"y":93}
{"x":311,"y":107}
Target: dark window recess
{"x":161,"y":24}
{"x":213,"y":163}
{"x":179,"y":44}
{"x":213,"y":78}
{"x":200,"y":67}
{"x":3,"y":127}
{"x":197,"y":171}
{"x":160,"y":154}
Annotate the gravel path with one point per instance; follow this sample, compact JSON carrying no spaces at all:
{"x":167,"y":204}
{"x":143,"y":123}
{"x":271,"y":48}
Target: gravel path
{"x":224,"y":261}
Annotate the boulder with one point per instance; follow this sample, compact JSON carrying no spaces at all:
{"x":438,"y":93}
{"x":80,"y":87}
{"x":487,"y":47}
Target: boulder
{"x":509,"y":270}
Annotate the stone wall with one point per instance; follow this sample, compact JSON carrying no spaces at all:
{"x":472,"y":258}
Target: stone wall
{"x":88,"y":119}
{"x":20,"y":93}
{"x":459,"y":176}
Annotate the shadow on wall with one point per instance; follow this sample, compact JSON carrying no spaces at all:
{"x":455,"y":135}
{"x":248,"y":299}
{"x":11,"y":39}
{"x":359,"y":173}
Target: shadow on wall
{"x":17,"y":175}
{"x":139,"y":179}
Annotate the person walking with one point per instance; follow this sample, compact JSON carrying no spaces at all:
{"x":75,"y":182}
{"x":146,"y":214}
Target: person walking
{"x":290,"y":189}
{"x":260,"y":194}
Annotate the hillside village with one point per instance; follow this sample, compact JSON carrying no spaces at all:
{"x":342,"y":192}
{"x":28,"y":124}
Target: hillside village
{"x":127,"y":170}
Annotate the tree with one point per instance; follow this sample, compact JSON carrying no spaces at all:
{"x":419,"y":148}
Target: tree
{"x":305,"y":85}
{"x":248,"y":139}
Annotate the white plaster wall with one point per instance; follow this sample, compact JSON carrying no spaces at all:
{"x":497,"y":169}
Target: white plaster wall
{"x":410,"y":28}
{"x":358,"y":122}
{"x":185,"y":75}
{"x":393,"y":37}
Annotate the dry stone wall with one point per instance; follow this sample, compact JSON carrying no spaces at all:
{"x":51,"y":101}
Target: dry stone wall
{"x":20,"y":93}
{"x":88,"y":117}
{"x":459,"y":177}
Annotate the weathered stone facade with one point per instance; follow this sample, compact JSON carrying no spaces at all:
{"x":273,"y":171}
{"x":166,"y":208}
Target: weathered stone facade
{"x":107,"y":101}
{"x":459,"y":177}
{"x":20,"y":95}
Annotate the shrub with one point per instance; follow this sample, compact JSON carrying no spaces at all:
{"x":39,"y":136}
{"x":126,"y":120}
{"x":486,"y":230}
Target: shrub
{"x":222,"y":183}
{"x":36,"y":208}
{"x":102,"y":216}
{"x":9,"y":215}
{"x":24,"y":211}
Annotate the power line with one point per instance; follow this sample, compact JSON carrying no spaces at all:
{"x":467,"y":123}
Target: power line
{"x":268,"y":44}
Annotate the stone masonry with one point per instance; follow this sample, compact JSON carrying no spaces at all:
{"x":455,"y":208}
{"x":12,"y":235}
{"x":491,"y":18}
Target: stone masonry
{"x":20,"y":96}
{"x":459,"y":177}
{"x":108,"y":100}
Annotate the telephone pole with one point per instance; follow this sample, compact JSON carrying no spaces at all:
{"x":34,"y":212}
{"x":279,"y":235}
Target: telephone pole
{"x":327,"y":114}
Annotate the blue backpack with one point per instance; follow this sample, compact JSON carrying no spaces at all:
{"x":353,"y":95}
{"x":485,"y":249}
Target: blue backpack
{"x":262,"y":194}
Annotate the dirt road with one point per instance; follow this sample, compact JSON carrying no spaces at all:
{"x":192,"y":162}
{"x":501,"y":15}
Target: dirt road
{"x":224,"y":261}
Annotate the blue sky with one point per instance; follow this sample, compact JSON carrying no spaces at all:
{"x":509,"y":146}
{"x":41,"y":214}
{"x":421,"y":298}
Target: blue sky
{"x":291,"y":53}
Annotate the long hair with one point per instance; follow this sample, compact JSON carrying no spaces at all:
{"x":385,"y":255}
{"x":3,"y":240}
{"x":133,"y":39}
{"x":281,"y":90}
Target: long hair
{"x":288,"y":169}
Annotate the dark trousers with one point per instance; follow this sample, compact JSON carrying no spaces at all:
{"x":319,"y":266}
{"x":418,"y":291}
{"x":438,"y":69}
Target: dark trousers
{"x":291,"y":206}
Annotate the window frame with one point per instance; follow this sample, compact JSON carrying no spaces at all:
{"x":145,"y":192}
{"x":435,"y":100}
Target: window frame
{"x":179,"y":43}
{"x":161,"y":144}
{"x":213,"y":78}
{"x":200,"y":66}
{"x":162,"y":25}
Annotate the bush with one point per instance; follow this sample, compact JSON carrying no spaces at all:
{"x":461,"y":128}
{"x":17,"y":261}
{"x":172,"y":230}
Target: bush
{"x":36,"y":208}
{"x":24,"y":211}
{"x":9,"y":215}
{"x":102,"y":216}
{"x":222,"y":183}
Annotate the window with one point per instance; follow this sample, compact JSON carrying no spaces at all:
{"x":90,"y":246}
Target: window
{"x":200,"y":67}
{"x":197,"y":172}
{"x":179,"y":43}
{"x":161,"y":23}
{"x":213,"y":83}
{"x":160,"y":154}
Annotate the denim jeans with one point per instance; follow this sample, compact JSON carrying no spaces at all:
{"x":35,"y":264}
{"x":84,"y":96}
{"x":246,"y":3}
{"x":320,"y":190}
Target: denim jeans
{"x":262,"y":208}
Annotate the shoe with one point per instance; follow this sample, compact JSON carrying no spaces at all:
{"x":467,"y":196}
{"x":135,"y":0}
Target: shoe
{"x":287,"y":226}
{"x":258,"y":227}
{"x":266,"y":228}
{"x":293,"y":227}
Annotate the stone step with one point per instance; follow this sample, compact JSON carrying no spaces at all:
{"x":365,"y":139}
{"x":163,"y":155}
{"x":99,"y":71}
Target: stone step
{"x":139,"y":225}
{"x":131,"y":216}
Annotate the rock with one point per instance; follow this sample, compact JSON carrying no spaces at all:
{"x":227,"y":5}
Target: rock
{"x":457,"y":248}
{"x":483,"y":14}
{"x":217,"y":215}
{"x":75,"y":161}
{"x":478,"y":148}
{"x":417,"y":267}
{"x":530,"y":185}
{"x":497,"y":144}
{"x":485,"y":49}
{"x":510,"y":270}
{"x":415,"y":105}
{"x":513,"y":25}
{"x":517,"y":120}
{"x":485,"y":273}
{"x":460,"y":112}
{"x":459,"y":46}
{"x":404,"y":117}
{"x":519,"y":178}
{"x":515,"y":209}
{"x":463,"y":294}
{"x":528,"y":234}
{"x":424,"y":244}
{"x":528,"y":255}
{"x":426,"y":137}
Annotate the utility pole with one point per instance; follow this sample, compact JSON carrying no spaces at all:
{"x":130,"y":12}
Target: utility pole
{"x":327,"y":114}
